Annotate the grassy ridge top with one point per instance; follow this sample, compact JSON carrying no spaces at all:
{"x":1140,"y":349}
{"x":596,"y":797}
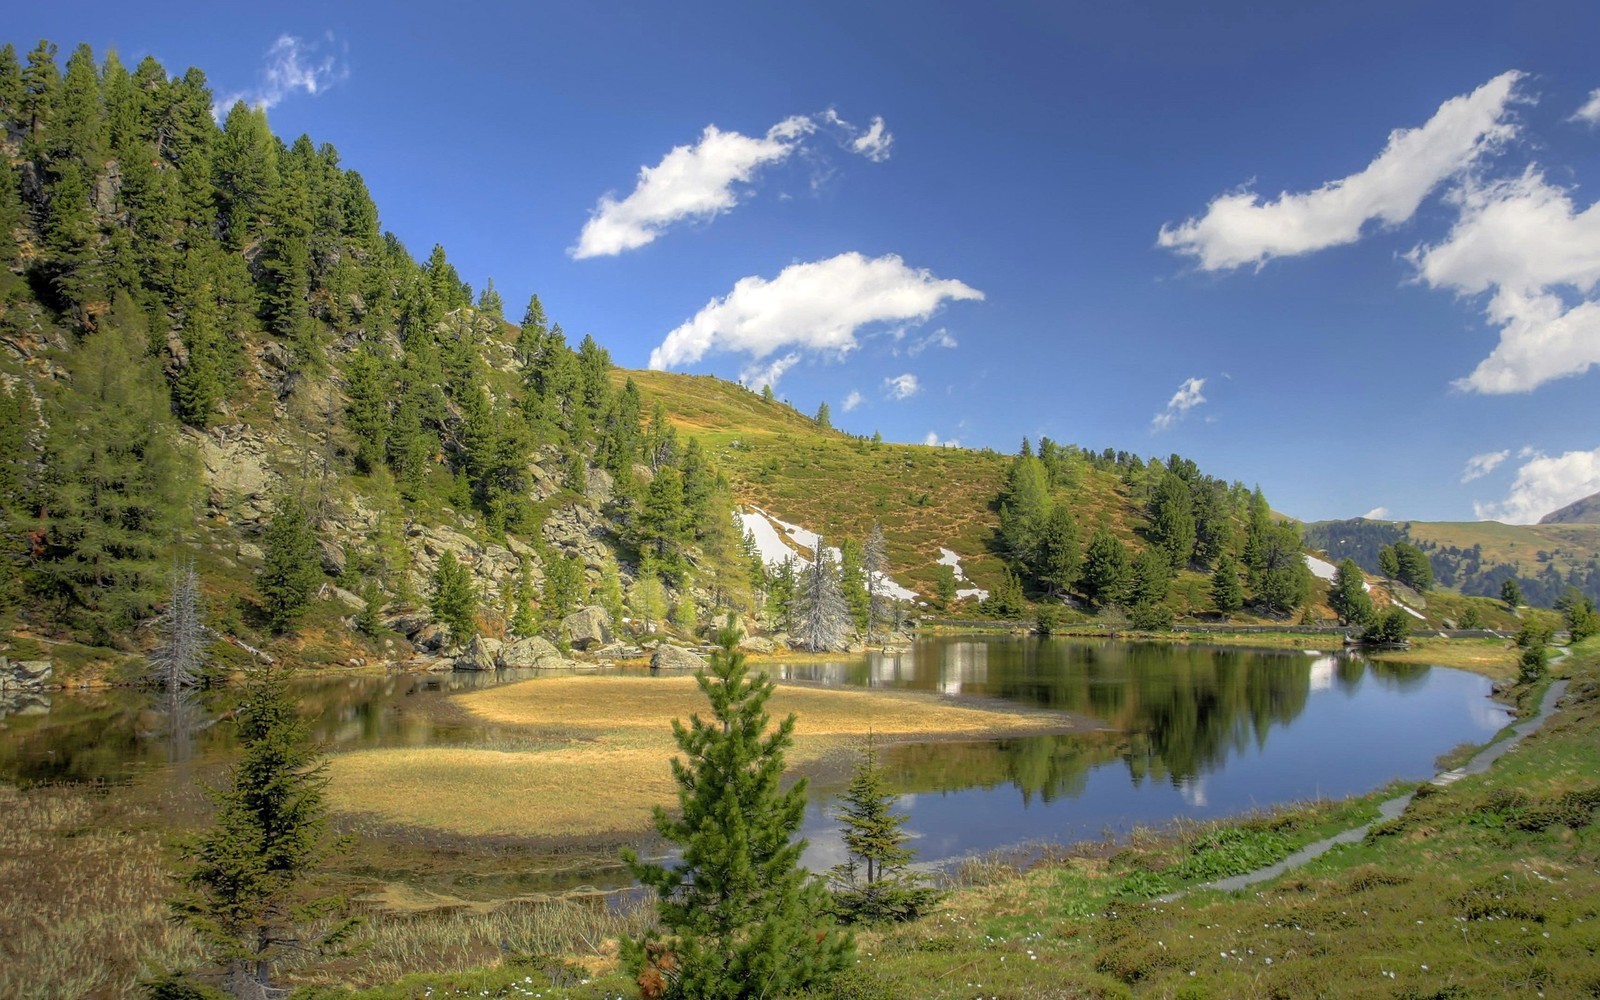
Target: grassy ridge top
{"x":926,"y":497}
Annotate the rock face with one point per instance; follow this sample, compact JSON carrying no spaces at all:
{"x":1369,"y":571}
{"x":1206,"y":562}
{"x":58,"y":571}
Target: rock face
{"x":480,"y":654}
{"x":588,"y":628}
{"x":675,"y":658}
{"x":756,"y":644}
{"x":531,"y":652}
{"x":235,"y":461}
{"x":25,"y":675}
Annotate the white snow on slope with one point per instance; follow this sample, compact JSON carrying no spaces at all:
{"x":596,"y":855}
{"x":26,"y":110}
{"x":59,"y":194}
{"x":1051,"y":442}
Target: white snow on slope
{"x":778,"y":540}
{"x":1411,"y":611}
{"x":1322,"y":569}
{"x":948,"y":558}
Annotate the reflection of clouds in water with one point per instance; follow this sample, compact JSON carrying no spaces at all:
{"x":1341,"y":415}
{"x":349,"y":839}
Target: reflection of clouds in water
{"x":963,"y":663}
{"x":1323,"y":669}
{"x":825,"y":850}
{"x":1490,"y":715}
{"x":1193,"y":791}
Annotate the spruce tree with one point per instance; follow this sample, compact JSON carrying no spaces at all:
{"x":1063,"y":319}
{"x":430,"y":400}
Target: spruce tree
{"x":1226,"y":591}
{"x":1058,"y":560}
{"x":1348,"y":597}
{"x":292,"y":569}
{"x":1107,"y":573}
{"x":873,"y":884}
{"x":454,"y":603}
{"x":1511,"y":592}
{"x":248,"y":889}
{"x":742,"y":918}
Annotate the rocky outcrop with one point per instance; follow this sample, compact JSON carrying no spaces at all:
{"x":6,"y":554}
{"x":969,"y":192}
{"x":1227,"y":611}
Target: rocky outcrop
{"x":675,"y":658}
{"x":25,"y":675}
{"x":236,"y":472}
{"x":756,"y":644}
{"x":588,"y":628}
{"x":531,"y":652}
{"x":480,"y":654}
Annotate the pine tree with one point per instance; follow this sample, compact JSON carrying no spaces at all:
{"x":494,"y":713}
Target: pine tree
{"x":1107,"y":574}
{"x":820,"y":613}
{"x":1348,"y":597}
{"x":875,"y":562}
{"x":1151,"y":577}
{"x":1172,"y":525}
{"x":248,"y":889}
{"x":1511,"y":592}
{"x":648,"y":600}
{"x":454,"y":603}
{"x":523,"y":623}
{"x":743,"y":919}
{"x":1226,"y":591}
{"x":1058,"y":559}
{"x":563,"y":588}
{"x":853,"y":584}
{"x":873,"y":884}
{"x":292,"y":569}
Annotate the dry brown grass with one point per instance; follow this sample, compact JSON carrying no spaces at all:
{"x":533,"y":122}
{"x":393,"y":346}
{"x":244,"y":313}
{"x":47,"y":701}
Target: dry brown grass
{"x":610,"y":739}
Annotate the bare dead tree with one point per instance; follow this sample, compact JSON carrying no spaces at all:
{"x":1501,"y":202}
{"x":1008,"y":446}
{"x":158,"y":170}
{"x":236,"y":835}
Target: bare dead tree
{"x":180,"y":657}
{"x":821,"y":611}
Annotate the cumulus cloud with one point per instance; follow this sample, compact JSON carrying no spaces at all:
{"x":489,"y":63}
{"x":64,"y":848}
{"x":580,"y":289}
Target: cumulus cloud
{"x":1239,"y":228}
{"x":758,"y":375}
{"x":817,"y":306}
{"x":1377,"y":514}
{"x":1185,"y":399}
{"x":851,"y":401}
{"x":1479,"y":466}
{"x":1590,"y":112}
{"x":1544,"y":484}
{"x":1523,"y":242}
{"x":901,"y":386}
{"x":934,"y":441}
{"x":702,"y":181}
{"x":293,"y":66}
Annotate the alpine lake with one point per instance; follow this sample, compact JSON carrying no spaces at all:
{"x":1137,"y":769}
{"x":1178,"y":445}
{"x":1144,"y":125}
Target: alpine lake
{"x":1161,"y":732}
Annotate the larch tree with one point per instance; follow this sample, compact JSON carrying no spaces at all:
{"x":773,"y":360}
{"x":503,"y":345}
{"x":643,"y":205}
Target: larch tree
{"x":292,"y":569}
{"x":454,"y":603}
{"x":821,"y":615}
{"x":742,"y":918}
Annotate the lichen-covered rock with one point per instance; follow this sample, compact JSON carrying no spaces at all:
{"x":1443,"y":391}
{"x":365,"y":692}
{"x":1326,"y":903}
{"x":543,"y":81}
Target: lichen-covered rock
{"x":588,"y":627}
{"x":26,"y":675}
{"x":668,"y":657}
{"x":480,"y":654}
{"x":531,"y":652}
{"x":756,"y":644}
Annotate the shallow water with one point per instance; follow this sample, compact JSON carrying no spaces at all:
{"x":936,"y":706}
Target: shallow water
{"x":1189,"y":731}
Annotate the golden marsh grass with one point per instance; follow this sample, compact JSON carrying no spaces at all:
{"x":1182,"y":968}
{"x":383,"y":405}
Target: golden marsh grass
{"x":609,"y":740}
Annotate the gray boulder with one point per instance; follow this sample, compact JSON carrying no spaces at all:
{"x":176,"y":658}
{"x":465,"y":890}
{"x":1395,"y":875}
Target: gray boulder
{"x":25,"y":675}
{"x":479,"y":655}
{"x":531,"y":652}
{"x":586,"y":628}
{"x":675,"y":658}
{"x":756,"y":644}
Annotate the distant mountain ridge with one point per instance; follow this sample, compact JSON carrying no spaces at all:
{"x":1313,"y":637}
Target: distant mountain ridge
{"x":1585,"y":511}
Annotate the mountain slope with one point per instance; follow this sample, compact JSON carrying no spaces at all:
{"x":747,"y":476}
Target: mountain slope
{"x":1584,"y":511}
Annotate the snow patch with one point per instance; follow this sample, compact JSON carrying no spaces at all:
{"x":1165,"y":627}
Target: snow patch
{"x":778,"y":541}
{"x":1322,"y":569}
{"x":948,"y":558}
{"x":1411,"y":611}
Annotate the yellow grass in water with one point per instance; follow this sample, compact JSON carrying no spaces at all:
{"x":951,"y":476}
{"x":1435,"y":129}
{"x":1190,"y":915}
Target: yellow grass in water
{"x":611,"y":739}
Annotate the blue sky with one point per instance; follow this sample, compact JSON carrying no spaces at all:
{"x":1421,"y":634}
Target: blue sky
{"x":1148,"y":226}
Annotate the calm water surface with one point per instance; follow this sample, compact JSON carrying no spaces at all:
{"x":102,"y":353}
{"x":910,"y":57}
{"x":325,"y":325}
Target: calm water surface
{"x":1188,"y":731}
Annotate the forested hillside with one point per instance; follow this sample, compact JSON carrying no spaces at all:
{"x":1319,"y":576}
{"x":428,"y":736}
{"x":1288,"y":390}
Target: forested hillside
{"x":211,"y":351}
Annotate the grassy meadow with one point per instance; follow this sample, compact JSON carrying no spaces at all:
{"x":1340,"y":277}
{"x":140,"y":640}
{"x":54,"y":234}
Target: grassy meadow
{"x":586,"y":757}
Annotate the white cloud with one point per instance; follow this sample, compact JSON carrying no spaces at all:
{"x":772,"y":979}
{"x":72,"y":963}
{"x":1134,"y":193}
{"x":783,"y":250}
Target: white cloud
{"x":1238,"y":228}
{"x":1523,"y":240}
{"x":817,"y":306}
{"x":938,"y":338}
{"x":851,"y":401}
{"x":1590,"y":112}
{"x":1545,"y":484}
{"x":901,"y":386}
{"x":1479,"y":466}
{"x":293,"y":66}
{"x":758,"y":375}
{"x":690,"y":182}
{"x":698,"y":182}
{"x":934,"y":441}
{"x":1377,"y":514}
{"x":1185,"y":399}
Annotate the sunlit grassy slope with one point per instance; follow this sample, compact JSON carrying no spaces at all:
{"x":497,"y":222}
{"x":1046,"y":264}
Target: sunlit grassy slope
{"x":1520,"y":545}
{"x":925,"y":497}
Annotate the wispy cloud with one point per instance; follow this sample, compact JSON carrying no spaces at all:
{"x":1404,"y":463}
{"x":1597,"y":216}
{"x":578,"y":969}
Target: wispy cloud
{"x":1545,"y":484}
{"x":1479,"y":466}
{"x":758,"y":375}
{"x":933,"y":440}
{"x":817,"y":306}
{"x":1525,"y":242}
{"x":1377,"y":514}
{"x":293,"y":66}
{"x":701,"y":181}
{"x":851,"y":401}
{"x":1185,"y":399}
{"x":1238,"y":228}
{"x":938,"y":338}
{"x":901,"y":386}
{"x":1590,"y":112}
